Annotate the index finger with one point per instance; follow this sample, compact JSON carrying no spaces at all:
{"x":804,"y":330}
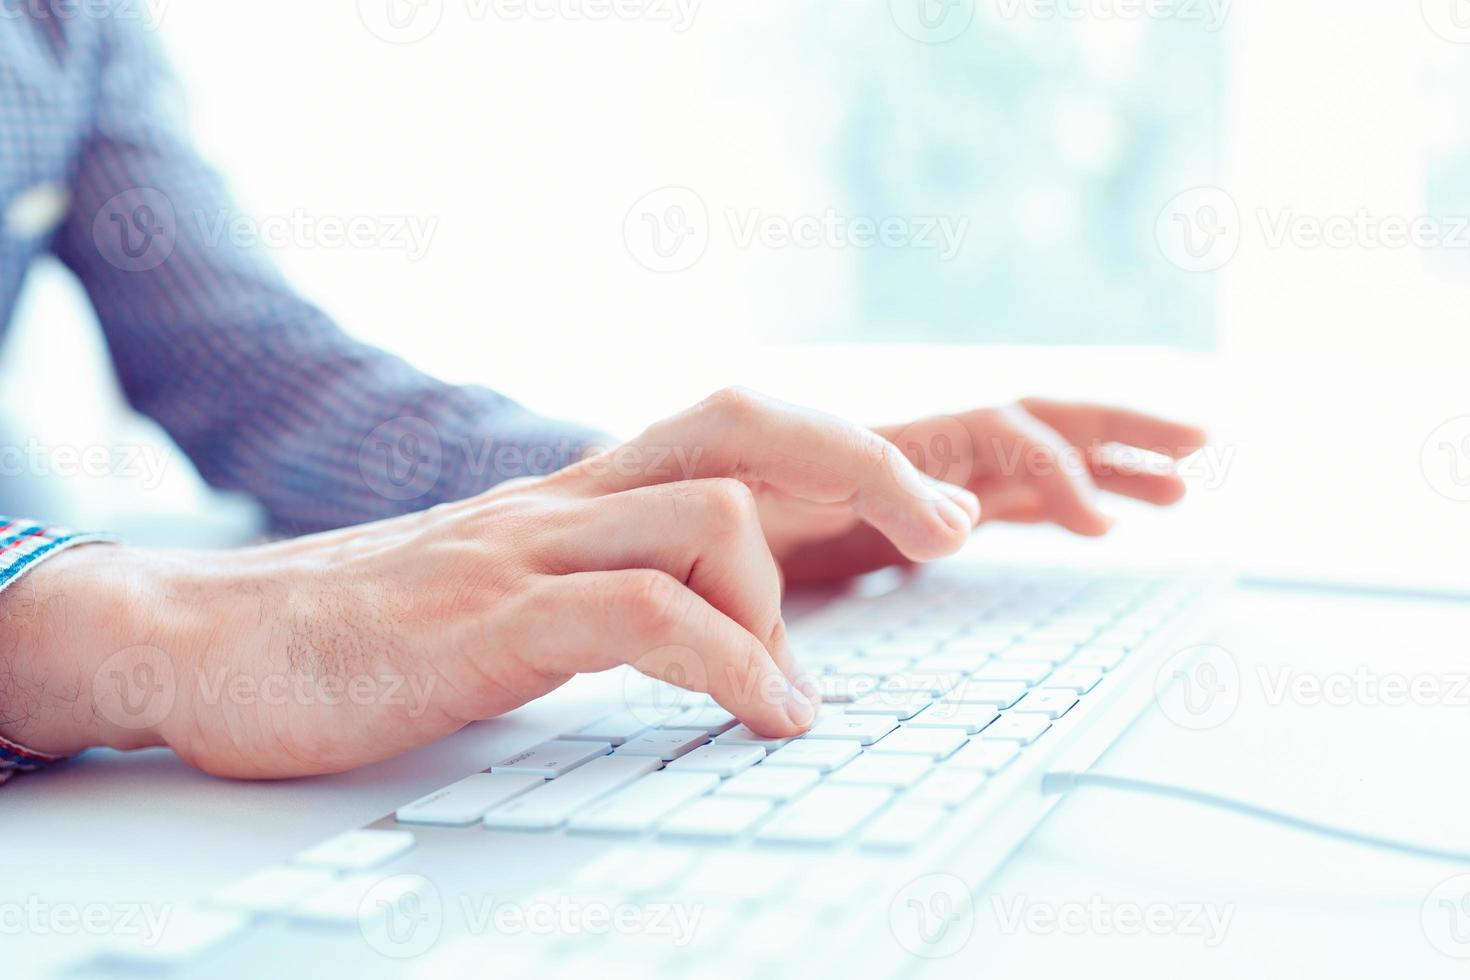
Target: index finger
{"x":1091,"y":425}
{"x":806,"y":454}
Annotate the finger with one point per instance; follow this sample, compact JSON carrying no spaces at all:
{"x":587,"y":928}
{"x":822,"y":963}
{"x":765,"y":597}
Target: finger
{"x":806,"y":454}
{"x":1126,"y":474}
{"x":704,"y":533}
{"x":1090,"y":425}
{"x":650,"y":620}
{"x":1052,"y":466}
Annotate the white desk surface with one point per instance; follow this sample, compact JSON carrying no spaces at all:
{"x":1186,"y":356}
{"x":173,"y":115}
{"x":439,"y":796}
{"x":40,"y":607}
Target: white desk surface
{"x":143,"y":827}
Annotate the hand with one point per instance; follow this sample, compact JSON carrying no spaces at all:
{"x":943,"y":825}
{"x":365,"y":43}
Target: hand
{"x":1033,"y":461}
{"x":334,"y":650}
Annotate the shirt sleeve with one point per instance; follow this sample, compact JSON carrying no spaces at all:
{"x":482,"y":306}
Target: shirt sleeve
{"x":258,"y":386}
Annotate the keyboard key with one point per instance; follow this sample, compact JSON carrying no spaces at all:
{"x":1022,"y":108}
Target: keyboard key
{"x":616,"y":728}
{"x":342,"y":901}
{"x":1044,"y":701}
{"x":899,"y":704}
{"x":968,"y":718}
{"x":638,"y":807}
{"x":947,"y":787}
{"x":843,"y":688}
{"x":357,"y":850}
{"x":711,"y":720}
{"x":1124,"y":639}
{"x":1000,"y":694}
{"x":1068,"y":634}
{"x":863,"y":729}
{"x":1102,"y":657}
{"x":1030,"y":651}
{"x":810,"y":653}
{"x":463,"y":803}
{"x":717,"y":817}
{"x":874,"y":769}
{"x":902,"y":826}
{"x":874,"y":666}
{"x":273,"y":889}
{"x":666,"y":745}
{"x":825,"y":815}
{"x":987,"y":757}
{"x":987,"y":638}
{"x":722,"y":760}
{"x":742,"y":735}
{"x":933,"y":743}
{"x":932,"y":682}
{"x":771,"y":782}
{"x":551,"y":759}
{"x":947,"y":659}
{"x":633,"y":870}
{"x":981,"y":645}
{"x":1016,"y":726}
{"x":1078,"y":679}
{"x":898,"y":649}
{"x":555,"y":801}
{"x":821,"y":754}
{"x":1025,"y":672}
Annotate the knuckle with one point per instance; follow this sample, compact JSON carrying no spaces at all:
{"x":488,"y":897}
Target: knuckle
{"x":731,"y":503}
{"x":652,"y":599}
{"x":734,"y":404}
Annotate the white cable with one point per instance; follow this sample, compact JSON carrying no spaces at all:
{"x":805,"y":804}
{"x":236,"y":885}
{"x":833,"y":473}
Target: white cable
{"x":1062,"y":782}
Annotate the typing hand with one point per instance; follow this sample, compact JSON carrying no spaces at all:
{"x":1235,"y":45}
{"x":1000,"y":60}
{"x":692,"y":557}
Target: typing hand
{"x":334,"y":650}
{"x":1030,"y":462}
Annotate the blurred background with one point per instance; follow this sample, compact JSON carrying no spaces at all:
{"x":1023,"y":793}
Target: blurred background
{"x":1252,"y":214}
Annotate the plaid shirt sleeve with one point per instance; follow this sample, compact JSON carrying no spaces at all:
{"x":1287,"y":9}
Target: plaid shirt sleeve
{"x":257,"y":385}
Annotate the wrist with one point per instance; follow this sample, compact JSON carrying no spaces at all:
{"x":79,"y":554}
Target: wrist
{"x":95,"y":642}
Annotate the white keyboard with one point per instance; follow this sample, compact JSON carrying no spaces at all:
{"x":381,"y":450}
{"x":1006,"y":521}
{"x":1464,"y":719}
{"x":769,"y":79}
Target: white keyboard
{"x":929,"y":690}
{"x":945,"y":702}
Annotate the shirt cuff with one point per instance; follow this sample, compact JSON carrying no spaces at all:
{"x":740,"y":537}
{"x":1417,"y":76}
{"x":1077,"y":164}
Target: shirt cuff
{"x":23,"y":546}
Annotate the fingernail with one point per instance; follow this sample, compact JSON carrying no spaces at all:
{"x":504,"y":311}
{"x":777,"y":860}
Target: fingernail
{"x":950,"y":513}
{"x":805,"y":685}
{"x":799,"y":707}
